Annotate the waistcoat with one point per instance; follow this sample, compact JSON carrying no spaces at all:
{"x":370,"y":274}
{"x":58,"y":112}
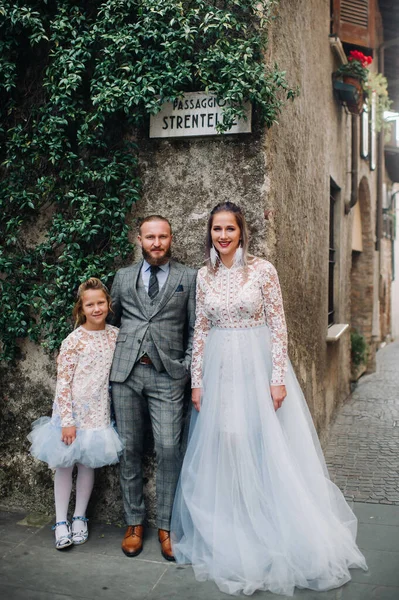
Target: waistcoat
{"x":147,"y":345}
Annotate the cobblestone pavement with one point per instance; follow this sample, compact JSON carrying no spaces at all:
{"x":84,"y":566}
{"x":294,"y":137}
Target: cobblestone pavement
{"x":362,"y":452}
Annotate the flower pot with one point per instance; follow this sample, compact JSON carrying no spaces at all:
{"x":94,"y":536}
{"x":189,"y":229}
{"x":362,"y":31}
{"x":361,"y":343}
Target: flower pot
{"x":355,"y":107}
{"x":348,"y":95}
{"x":355,"y":81}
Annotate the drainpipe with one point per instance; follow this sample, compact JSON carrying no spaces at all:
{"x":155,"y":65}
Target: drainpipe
{"x":354,"y":165}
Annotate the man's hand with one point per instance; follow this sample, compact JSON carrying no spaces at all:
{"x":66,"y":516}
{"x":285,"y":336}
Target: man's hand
{"x":196,"y":398}
{"x":278,"y":393}
{"x":68,"y":435}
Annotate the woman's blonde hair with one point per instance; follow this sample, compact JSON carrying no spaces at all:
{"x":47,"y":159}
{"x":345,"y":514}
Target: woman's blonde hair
{"x":241,"y":222}
{"x":90,"y":284}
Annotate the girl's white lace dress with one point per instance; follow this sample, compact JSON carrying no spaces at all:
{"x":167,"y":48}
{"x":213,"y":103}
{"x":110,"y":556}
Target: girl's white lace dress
{"x":255,"y":508}
{"x":82,"y":399}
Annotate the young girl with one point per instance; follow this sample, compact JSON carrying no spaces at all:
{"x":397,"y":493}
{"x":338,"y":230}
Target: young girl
{"x":79,"y":431}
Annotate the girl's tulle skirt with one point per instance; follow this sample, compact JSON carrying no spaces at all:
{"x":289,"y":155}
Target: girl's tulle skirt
{"x":92,"y":447}
{"x":255,"y":508}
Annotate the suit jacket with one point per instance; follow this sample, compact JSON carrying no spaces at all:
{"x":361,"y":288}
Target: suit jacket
{"x":170,"y":322}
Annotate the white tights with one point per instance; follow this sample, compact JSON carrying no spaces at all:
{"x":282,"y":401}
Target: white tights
{"x":63,"y":488}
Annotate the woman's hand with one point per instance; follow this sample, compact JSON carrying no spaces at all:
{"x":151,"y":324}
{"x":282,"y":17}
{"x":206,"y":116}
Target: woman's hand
{"x":196,"y":398}
{"x":278,"y":393}
{"x":68,"y":435}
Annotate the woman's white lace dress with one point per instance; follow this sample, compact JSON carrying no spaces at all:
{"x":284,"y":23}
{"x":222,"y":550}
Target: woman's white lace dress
{"x":255,"y":508}
{"x":82,"y":399}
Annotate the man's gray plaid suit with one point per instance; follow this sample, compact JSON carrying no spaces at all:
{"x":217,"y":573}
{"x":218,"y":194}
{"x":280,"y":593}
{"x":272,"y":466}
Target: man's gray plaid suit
{"x":161,"y":328}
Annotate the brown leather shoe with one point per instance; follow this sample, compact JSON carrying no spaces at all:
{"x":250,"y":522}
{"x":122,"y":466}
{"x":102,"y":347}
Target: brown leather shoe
{"x":166,"y":546}
{"x":132,"y":543}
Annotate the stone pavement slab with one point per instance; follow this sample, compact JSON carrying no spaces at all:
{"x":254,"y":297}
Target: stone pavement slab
{"x":355,"y":591}
{"x":362,"y":453}
{"x":13,"y":593}
{"x":31,"y":568}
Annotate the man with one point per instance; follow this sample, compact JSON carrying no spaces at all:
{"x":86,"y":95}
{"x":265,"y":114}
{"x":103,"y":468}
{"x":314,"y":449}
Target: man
{"x":154,"y":304}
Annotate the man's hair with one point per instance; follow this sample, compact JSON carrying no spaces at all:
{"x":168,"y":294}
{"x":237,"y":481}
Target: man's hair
{"x":154,"y":218}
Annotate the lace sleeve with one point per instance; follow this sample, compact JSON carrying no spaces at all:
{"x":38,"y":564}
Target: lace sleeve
{"x":66,"y":365}
{"x":201,"y":329}
{"x":275,"y":319}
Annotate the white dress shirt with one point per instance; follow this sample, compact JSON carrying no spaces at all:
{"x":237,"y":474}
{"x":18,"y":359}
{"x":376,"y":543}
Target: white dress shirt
{"x":162,"y":274}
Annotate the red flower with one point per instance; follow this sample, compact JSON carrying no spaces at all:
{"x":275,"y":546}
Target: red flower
{"x":360,"y":57}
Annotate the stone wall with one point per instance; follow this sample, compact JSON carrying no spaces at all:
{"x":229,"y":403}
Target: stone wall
{"x":285,"y":171}
{"x":362,"y":273}
{"x":385,"y":289}
{"x":310,"y":146}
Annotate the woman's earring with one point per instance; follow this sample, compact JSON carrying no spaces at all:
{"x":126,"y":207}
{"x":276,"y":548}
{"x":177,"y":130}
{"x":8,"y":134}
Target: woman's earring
{"x":239,"y":257}
{"x":213,"y":255}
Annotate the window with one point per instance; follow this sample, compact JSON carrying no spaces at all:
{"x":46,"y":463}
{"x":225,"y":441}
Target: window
{"x":364,"y":130}
{"x":373,"y":135}
{"x":388,"y":212}
{"x":331,"y":256}
{"x":354,"y":21}
{"x":388,"y":226}
{"x":336,"y":309}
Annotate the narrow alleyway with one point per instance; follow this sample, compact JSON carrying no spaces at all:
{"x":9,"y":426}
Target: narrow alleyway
{"x":363,"y":447}
{"x":363,"y":459}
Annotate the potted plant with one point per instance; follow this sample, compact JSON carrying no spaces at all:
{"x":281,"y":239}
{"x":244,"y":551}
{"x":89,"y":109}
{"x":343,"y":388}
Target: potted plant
{"x":376,"y":87}
{"x":359,"y":354}
{"x":352,"y":80}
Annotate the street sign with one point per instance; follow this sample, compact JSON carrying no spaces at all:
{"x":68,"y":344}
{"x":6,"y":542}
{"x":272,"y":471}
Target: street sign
{"x":195,"y":114}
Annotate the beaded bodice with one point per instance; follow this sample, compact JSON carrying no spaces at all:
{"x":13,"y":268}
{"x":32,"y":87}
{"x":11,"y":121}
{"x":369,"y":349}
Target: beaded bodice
{"x":82,"y":393}
{"x":240,"y":297}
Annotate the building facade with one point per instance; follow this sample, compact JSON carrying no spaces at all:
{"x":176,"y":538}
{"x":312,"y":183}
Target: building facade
{"x":314,"y":189}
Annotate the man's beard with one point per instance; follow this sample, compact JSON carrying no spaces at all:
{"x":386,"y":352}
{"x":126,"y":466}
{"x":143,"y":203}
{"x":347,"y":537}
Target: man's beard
{"x":157,"y":262}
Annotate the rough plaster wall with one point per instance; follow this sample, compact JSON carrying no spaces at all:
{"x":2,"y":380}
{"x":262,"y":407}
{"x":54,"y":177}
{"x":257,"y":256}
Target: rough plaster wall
{"x":26,"y":393}
{"x":311,"y":144}
{"x":185,"y":179}
{"x":182,"y":180}
{"x":286,"y":170}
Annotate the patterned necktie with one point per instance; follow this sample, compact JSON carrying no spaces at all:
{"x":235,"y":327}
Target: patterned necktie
{"x":153,"y":285}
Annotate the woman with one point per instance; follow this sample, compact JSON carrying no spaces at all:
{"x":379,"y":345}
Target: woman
{"x":254,"y":508}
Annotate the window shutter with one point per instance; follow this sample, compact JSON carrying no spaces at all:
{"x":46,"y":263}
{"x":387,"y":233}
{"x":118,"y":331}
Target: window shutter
{"x":354,"y":22}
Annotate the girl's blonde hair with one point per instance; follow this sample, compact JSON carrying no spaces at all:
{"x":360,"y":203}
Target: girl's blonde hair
{"x":90,"y":284}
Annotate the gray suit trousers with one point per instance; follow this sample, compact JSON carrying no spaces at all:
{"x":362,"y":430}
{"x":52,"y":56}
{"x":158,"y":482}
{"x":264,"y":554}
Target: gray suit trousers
{"x":148,"y":391}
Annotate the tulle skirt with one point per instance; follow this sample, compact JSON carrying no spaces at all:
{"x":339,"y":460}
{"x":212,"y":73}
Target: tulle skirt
{"x":92,"y":447}
{"x":254,"y":507}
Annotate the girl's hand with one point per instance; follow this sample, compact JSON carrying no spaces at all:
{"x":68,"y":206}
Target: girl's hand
{"x":68,"y":435}
{"x":278,"y":393}
{"x":196,"y":398}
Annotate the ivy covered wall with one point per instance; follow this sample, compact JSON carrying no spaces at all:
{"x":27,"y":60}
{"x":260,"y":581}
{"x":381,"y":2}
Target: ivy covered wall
{"x":78,"y":82}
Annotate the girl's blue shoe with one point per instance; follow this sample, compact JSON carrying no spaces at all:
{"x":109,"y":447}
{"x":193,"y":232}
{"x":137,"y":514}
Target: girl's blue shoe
{"x":80,"y":531}
{"x":64,"y":539}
